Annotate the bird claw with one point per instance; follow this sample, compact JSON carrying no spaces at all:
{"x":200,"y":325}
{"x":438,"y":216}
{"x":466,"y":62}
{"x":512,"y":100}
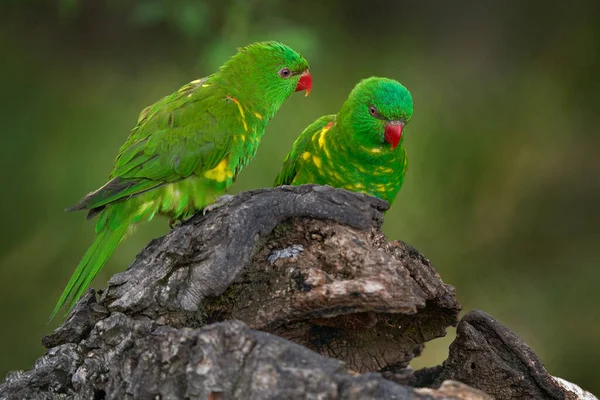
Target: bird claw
{"x":219,"y":202}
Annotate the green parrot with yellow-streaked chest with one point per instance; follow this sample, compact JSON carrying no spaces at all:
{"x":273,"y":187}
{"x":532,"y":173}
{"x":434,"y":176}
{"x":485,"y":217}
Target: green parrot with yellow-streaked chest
{"x":359,"y":149}
{"x":187,"y":148}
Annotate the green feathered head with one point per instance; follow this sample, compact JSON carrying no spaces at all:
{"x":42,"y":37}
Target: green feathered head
{"x":376,"y":112}
{"x":266,"y":74}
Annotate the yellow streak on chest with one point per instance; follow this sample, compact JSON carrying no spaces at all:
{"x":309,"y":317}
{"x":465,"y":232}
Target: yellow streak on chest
{"x":320,"y":138}
{"x":242,"y":113}
{"x":322,"y":134}
{"x":315,"y":159}
{"x":220,"y":173}
{"x":381,"y":188}
{"x":384,"y":170}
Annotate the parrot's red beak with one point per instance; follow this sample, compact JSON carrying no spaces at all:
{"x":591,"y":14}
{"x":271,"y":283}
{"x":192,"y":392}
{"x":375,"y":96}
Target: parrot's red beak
{"x":393,"y":133}
{"x":304,"y":83}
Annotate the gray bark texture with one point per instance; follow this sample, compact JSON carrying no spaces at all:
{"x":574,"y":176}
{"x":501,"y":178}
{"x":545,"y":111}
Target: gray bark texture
{"x":286,"y":293}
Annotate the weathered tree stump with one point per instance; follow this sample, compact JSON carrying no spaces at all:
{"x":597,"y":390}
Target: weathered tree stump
{"x":304,"y":264}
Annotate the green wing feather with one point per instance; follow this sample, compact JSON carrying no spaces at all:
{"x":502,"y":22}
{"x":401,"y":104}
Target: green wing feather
{"x":289,"y":169}
{"x":174,"y":138}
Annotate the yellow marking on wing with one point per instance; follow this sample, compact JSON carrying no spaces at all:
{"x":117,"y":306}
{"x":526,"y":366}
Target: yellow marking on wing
{"x":242,"y":113}
{"x":220,"y":173}
{"x":359,"y":186}
{"x":243,"y":137}
{"x":259,"y":116}
{"x":306,"y":155}
{"x":317,"y":161}
{"x":375,"y":150}
{"x":206,"y":85}
{"x":196,"y":81}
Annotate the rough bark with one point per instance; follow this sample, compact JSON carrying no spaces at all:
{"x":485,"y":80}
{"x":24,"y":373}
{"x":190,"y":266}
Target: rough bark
{"x":126,"y":358}
{"x":332,"y":289}
{"x":304,"y":264}
{"x":489,"y":356}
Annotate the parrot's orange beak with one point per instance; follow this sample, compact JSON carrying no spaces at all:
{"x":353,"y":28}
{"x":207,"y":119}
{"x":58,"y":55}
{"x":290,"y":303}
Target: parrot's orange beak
{"x":304,"y":83}
{"x":393,"y":133}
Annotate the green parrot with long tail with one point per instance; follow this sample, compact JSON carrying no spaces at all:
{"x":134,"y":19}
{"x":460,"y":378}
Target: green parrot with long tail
{"x":360,"y":148}
{"x":187,"y":148}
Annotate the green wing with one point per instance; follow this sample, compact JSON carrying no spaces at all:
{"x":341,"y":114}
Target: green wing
{"x":186,"y":132}
{"x":289,"y":169}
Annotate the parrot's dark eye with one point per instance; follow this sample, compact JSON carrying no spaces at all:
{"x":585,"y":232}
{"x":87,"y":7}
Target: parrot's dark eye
{"x":285,"y":72}
{"x":373,"y":111}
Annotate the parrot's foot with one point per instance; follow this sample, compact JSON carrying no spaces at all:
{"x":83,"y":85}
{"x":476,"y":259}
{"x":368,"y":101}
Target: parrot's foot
{"x":174,"y":222}
{"x":220,"y":202}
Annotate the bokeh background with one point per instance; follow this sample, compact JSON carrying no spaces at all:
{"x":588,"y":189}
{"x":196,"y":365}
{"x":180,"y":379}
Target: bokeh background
{"x":503,"y":186}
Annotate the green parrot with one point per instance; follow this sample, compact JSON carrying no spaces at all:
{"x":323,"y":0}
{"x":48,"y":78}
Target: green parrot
{"x":187,"y":148}
{"x":359,"y":149}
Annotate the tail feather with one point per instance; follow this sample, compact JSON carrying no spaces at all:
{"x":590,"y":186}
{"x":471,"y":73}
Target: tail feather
{"x":104,"y":245}
{"x":94,"y":211}
{"x":115,"y":190}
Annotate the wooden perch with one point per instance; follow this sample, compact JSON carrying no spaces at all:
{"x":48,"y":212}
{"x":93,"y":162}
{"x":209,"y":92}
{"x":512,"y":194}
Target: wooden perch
{"x":304,"y":264}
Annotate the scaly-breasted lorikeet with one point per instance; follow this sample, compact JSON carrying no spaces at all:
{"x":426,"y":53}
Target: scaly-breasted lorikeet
{"x":187,"y":148}
{"x":359,"y":149}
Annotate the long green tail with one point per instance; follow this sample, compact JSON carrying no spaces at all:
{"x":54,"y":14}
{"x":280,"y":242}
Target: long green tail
{"x":109,"y":234}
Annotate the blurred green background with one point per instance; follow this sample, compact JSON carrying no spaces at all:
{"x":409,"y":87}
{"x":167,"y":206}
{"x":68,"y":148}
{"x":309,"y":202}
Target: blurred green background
{"x":503,"y":186}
